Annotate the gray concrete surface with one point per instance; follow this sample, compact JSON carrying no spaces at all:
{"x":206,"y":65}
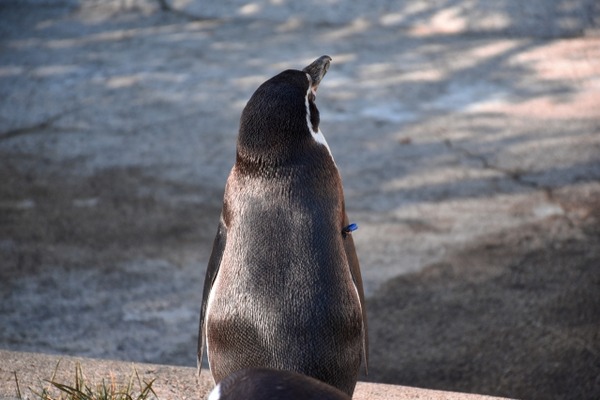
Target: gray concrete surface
{"x":32,"y":371}
{"x":467,"y":134}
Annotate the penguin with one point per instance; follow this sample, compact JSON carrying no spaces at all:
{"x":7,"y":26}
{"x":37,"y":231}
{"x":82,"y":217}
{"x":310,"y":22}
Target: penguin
{"x":283,"y":287}
{"x":272,"y":384}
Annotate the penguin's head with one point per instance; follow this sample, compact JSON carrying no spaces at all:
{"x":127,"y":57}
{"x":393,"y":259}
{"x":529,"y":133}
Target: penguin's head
{"x":265,"y":383}
{"x":281,"y":121}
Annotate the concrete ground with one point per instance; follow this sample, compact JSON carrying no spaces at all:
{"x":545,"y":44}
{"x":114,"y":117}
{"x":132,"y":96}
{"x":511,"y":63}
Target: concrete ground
{"x":467,"y":134}
{"x":28,"y":373}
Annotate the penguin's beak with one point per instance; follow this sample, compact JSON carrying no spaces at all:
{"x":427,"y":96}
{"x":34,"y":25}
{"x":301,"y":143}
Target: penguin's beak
{"x":317,"y":70}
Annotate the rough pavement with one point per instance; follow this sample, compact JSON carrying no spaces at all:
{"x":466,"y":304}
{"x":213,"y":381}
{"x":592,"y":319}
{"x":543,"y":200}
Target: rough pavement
{"x":467,"y":135}
{"x":169,"y":382}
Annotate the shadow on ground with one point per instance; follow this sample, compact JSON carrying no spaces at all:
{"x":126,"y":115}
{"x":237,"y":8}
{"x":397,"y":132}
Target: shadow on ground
{"x":514,"y":315}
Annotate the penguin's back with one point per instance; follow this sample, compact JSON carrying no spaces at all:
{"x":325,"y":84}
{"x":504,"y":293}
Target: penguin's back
{"x":284,"y":293}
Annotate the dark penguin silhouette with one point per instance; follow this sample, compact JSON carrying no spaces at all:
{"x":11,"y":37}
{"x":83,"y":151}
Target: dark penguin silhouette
{"x":283,"y":287}
{"x":271,"y":384}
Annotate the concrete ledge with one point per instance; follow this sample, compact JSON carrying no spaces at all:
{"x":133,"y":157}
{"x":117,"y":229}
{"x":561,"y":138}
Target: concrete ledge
{"x":171,"y":382}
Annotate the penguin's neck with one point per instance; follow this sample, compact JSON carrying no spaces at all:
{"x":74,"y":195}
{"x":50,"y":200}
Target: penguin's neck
{"x":262,"y":163}
{"x":304,"y":155}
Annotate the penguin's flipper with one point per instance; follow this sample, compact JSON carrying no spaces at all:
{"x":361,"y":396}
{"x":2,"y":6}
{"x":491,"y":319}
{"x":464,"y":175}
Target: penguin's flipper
{"x":211,"y":273}
{"x":357,"y":278}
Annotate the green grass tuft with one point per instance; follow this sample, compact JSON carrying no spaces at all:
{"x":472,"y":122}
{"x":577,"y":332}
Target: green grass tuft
{"x":82,"y":389}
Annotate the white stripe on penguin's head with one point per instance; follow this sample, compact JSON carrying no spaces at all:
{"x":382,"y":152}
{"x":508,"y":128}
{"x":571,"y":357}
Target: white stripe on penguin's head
{"x":317,"y":135}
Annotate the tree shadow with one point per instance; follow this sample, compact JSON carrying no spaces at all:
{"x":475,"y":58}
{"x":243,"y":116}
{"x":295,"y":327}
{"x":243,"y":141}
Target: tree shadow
{"x":500,"y":317}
